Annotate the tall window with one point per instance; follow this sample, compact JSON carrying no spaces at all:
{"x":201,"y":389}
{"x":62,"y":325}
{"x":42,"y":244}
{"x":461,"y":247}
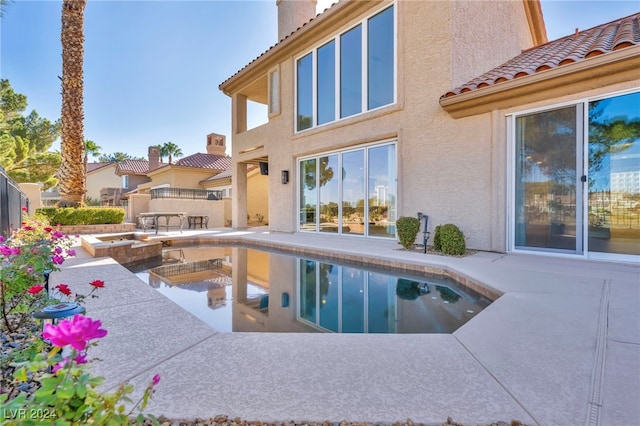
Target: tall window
{"x":326,"y":83}
{"x":335,"y":197}
{"x":304,"y":96}
{"x":353,"y":72}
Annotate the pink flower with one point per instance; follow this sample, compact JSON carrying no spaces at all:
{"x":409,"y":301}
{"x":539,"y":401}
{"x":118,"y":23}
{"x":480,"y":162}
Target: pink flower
{"x":80,"y":359}
{"x":75,"y":332}
{"x":97,"y":283}
{"x":28,"y":228}
{"x":35,"y":289}
{"x":24,"y":209}
{"x":1,"y":239}
{"x":57,"y":259}
{"x":48,"y":229}
{"x":155,"y":380}
{"x":71,"y":252}
{"x":64,"y":289}
{"x":57,"y":250}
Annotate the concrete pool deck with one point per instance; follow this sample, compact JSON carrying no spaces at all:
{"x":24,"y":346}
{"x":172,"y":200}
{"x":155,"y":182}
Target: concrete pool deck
{"x":561,"y":346}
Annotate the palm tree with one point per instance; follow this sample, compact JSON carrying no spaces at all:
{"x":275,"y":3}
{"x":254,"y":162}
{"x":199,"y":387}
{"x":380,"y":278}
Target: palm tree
{"x":90,"y":148}
{"x":72,"y":172}
{"x":170,"y":150}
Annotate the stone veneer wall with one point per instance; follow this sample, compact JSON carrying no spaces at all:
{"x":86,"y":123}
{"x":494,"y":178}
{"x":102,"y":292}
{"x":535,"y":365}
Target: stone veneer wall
{"x":98,"y":229}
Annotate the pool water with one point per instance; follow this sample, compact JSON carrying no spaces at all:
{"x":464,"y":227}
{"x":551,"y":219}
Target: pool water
{"x":239,"y":289}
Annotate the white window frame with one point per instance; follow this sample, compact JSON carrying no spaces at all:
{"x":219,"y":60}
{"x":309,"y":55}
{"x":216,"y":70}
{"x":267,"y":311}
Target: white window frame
{"x":364,"y":22}
{"x":582,"y":143}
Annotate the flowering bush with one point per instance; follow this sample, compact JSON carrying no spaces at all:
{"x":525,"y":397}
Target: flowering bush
{"x":68,"y":394}
{"x":51,"y":381}
{"x":25,"y":256}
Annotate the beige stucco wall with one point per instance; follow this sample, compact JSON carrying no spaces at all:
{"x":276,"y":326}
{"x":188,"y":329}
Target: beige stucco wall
{"x":449,"y":169}
{"x":179,"y":177}
{"x":258,"y":195}
{"x":138,"y":203}
{"x":32,"y":191}
{"x":213,"y":209}
{"x":104,"y":177}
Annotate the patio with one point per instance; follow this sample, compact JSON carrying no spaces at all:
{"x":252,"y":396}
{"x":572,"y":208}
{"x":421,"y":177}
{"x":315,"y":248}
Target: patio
{"x":561,"y":346}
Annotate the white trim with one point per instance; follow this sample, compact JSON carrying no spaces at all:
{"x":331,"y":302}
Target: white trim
{"x":582,"y":168}
{"x":364,"y":23}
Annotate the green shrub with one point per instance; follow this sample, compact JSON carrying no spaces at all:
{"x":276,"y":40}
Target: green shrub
{"x":82,"y":216}
{"x":437,"y":245}
{"x":408,"y":228}
{"x":450,"y":240}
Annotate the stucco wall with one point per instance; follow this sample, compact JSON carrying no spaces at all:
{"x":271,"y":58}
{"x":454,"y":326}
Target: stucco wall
{"x":258,"y":195}
{"x":104,"y":177}
{"x":213,"y":209}
{"x":452,"y":170}
{"x":32,"y":191}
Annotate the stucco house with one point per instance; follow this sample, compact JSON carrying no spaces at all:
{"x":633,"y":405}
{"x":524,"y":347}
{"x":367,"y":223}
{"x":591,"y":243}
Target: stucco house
{"x":102,"y":175}
{"x":460,"y":110}
{"x":198,"y":184}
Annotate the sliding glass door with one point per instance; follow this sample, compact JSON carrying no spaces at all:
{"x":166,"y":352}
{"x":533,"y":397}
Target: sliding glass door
{"x":577,"y":185}
{"x":614,"y":175}
{"x":547,"y":180}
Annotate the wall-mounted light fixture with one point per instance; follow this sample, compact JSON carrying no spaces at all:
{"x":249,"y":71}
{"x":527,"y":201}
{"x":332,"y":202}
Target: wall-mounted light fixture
{"x":285,"y":177}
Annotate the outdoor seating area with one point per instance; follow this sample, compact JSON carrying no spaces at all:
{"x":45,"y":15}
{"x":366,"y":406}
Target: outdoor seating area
{"x":198,"y":220}
{"x":162,"y":220}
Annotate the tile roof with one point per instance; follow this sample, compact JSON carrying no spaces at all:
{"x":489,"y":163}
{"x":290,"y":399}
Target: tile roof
{"x":205,"y":161}
{"x":139,"y":167}
{"x":581,"y":46}
{"x":95,"y":166}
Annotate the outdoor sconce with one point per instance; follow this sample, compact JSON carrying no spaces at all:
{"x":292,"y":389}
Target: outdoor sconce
{"x":285,"y":177}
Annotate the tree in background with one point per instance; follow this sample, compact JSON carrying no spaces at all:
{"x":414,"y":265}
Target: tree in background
{"x":72,"y":172}
{"x":90,"y":148}
{"x":117,"y":157}
{"x":170,"y":149}
{"x":25,"y":141}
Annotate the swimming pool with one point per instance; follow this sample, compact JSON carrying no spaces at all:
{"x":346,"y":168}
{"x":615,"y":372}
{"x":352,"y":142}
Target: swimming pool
{"x":240,"y":289}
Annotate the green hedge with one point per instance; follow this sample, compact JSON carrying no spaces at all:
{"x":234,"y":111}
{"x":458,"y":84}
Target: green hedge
{"x":408,"y":228}
{"x":82,"y":216}
{"x":449,"y":240}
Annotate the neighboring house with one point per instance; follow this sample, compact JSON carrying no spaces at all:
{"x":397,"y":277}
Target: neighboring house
{"x":99,"y":176}
{"x":257,"y":194}
{"x":376,"y":111}
{"x":190,"y":184}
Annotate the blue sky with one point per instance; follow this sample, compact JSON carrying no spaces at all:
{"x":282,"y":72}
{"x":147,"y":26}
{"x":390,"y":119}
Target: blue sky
{"x":152,"y":68}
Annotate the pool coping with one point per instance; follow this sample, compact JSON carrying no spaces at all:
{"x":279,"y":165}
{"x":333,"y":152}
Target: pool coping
{"x":574,"y":315}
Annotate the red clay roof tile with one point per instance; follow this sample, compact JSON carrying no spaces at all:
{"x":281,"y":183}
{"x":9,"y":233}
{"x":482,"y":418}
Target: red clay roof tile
{"x":605,"y":38}
{"x":205,"y":161}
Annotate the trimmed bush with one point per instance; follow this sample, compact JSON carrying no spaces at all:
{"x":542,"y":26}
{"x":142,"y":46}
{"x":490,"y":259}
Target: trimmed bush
{"x":436,"y":238}
{"x":450,"y":240}
{"x":82,"y":216}
{"x":408,"y":228}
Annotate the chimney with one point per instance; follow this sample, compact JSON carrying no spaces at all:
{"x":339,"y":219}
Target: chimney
{"x":292,"y":14}
{"x":216,"y":144}
{"x":154,"y":157}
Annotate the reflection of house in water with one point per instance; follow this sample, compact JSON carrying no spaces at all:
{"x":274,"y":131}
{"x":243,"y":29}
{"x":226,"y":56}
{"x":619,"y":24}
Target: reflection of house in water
{"x":209,"y":276}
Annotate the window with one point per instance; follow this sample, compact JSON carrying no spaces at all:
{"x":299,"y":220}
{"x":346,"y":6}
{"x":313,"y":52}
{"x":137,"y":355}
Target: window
{"x":334,"y":196}
{"x":125,"y":181}
{"x":351,"y":73}
{"x":326,"y":83}
{"x":304,"y":96}
{"x":577,"y":178}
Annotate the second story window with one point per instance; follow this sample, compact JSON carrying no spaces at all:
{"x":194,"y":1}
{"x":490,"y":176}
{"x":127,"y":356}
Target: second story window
{"x":349,"y":74}
{"x":125,"y":181}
